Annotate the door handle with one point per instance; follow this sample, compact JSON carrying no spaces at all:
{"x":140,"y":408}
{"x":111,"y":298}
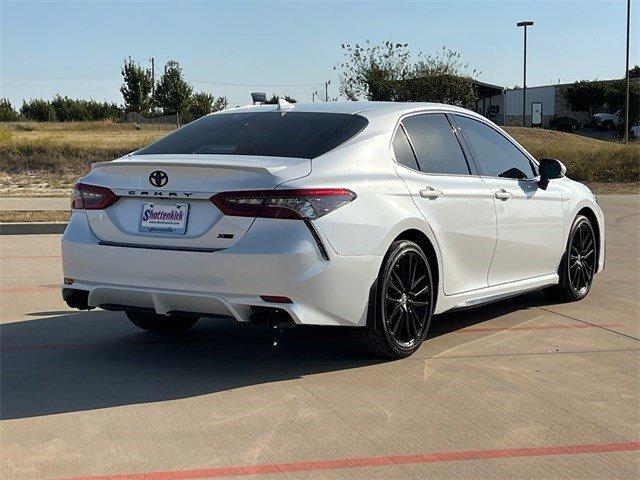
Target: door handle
{"x":503,"y":195}
{"x":431,"y":193}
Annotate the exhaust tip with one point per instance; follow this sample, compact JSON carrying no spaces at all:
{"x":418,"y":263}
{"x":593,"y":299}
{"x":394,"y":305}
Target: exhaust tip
{"x":275,"y":299}
{"x":76,"y":298}
{"x":271,"y":317}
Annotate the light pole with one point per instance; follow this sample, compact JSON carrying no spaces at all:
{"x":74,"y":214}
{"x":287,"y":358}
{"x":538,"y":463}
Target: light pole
{"x":524,"y":24}
{"x":626,"y":96}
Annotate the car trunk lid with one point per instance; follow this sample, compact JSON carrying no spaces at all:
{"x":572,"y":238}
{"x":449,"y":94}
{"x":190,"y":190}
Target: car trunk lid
{"x":185,"y":184}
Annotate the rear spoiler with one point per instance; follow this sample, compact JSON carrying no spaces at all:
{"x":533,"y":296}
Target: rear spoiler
{"x":265,"y":167}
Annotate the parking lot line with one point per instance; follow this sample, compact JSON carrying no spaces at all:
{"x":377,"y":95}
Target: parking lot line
{"x":29,"y":289}
{"x":538,"y":327}
{"x":364,"y":462}
{"x":25,"y":257}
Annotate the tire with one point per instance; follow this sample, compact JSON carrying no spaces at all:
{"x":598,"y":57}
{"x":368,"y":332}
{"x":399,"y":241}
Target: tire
{"x":578,"y":264}
{"x":155,"y":323}
{"x":401,"y":304}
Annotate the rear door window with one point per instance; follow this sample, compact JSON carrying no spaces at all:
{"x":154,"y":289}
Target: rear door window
{"x":403,"y":151}
{"x":435,"y":144}
{"x":272,"y":134}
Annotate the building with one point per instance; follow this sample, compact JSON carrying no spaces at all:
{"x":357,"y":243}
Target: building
{"x":504,"y":106}
{"x":548,"y":101}
{"x":490,"y":102}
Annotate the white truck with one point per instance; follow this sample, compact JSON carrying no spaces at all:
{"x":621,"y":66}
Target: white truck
{"x":608,"y":121}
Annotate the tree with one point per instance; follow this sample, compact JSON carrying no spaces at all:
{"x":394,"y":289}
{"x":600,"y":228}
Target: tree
{"x":614,"y":97}
{"x":137,"y":87}
{"x":38,"y":110}
{"x":68,"y":109}
{"x":203,"y":103}
{"x":173,"y":93}
{"x":274,"y":99}
{"x":586,"y":96}
{"x":387,"y":72}
{"x":593,"y":95}
{"x":373,"y":72}
{"x":598,"y":95}
{"x":442,"y":78}
{"x":7,"y":113}
{"x":220,"y":104}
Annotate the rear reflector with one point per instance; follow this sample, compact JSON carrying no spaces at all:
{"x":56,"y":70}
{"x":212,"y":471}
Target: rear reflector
{"x":92,"y":197}
{"x":275,"y":299}
{"x":299,"y":204}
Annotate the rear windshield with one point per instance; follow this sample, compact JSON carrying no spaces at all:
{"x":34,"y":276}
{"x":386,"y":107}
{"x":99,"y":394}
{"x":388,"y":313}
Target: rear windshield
{"x":273,"y":134}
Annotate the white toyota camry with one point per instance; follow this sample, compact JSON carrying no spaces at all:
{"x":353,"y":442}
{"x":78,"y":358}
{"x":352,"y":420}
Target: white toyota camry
{"x":360,"y":214}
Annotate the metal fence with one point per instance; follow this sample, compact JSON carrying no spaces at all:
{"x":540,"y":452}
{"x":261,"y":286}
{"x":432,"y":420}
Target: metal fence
{"x":134,"y":117}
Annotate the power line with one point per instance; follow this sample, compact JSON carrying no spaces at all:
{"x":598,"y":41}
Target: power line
{"x":57,"y":78}
{"x":60,"y":69}
{"x":230,"y":84}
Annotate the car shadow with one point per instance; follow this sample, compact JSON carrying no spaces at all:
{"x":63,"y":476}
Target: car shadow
{"x":68,"y":362}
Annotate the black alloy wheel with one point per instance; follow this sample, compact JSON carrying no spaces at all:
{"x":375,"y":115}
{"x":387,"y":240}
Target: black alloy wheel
{"x":400,"y":308}
{"x":582,"y":259}
{"x":578,"y":265}
{"x":407,"y":298}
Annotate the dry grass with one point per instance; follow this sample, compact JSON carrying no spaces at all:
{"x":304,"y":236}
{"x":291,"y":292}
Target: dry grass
{"x":587,"y":159}
{"x":44,"y":159}
{"x":14,"y":216}
{"x":615,"y":188}
{"x":63,"y":147}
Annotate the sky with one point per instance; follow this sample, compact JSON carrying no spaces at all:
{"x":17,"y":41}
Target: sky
{"x":235,"y":48}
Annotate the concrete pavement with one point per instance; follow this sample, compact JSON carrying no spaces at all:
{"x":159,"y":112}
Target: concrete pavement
{"x":519,"y":389}
{"x":35,"y":203}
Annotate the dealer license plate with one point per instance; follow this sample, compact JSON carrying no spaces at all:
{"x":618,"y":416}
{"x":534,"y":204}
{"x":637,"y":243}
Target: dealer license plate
{"x":164,"y":218}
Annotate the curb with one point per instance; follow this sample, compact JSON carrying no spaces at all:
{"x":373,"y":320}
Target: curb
{"x":32,"y":228}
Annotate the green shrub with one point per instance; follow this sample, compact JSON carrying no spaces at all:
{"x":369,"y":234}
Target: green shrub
{"x":7,"y":113}
{"x":65,"y":109}
{"x":38,"y":110}
{"x":564,"y":124}
{"x":69,"y":110}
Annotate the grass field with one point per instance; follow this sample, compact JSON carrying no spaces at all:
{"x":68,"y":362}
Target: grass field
{"x":46,"y":158}
{"x":12,"y":216}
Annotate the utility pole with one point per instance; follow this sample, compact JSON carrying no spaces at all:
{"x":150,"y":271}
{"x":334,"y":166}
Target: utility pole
{"x":153,"y":77}
{"x":626,"y":97}
{"x":524,"y":24}
{"x":326,"y":90}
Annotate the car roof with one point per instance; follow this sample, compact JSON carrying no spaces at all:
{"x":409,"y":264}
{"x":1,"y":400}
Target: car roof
{"x":365,"y":108}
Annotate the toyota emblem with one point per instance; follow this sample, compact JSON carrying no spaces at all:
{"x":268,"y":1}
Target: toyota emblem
{"x":158,"y":178}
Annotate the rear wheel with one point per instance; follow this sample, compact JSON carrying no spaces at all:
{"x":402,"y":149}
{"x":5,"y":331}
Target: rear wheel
{"x":578,"y":265}
{"x":153,"y":322}
{"x":400,"y":309}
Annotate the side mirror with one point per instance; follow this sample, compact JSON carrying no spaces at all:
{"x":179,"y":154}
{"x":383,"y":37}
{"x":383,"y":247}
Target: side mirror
{"x":550,"y":168}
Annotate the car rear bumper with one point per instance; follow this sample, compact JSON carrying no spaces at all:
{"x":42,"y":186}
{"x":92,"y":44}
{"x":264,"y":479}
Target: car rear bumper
{"x":275,"y":257}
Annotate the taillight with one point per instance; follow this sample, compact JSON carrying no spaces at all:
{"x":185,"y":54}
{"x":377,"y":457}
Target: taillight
{"x":299,"y":204}
{"x":92,"y":197}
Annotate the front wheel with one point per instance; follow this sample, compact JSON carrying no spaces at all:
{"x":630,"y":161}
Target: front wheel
{"x":401,"y":307}
{"x":578,"y":265}
{"x":155,"y":323}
